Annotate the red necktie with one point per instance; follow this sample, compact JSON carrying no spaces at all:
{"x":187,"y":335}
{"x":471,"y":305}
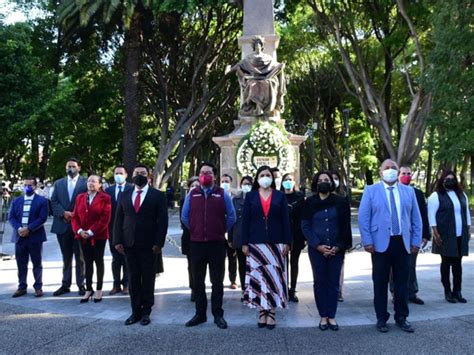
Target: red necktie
{"x":136,"y":203}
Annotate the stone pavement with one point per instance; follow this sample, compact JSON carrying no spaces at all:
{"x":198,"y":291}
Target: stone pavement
{"x":61,"y":324}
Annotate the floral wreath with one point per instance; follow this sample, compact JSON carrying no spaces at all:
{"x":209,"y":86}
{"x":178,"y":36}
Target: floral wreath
{"x":265,"y":139}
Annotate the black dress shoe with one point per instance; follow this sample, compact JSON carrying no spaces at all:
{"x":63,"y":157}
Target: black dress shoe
{"x":382,"y":326}
{"x":323,"y":327}
{"x":458,"y":296}
{"x":292,"y":296}
{"x":196,"y":320}
{"x":132,"y":319}
{"x":82,"y":291}
{"x":220,"y":322}
{"x":18,"y":293}
{"x":145,"y":319}
{"x":449,"y":297}
{"x":404,"y":325}
{"x":334,"y":327}
{"x":416,"y":300}
{"x":61,"y":291}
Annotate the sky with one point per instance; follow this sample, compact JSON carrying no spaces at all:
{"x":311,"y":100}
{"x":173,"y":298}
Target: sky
{"x":12,"y":15}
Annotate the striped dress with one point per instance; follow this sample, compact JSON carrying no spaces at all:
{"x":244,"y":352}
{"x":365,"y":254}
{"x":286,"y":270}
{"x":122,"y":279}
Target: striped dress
{"x":266,"y":284}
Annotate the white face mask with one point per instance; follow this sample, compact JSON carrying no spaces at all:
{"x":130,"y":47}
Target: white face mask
{"x":278,"y":183}
{"x":119,"y":179}
{"x":336,"y":183}
{"x":225,"y":186}
{"x":265,"y":182}
{"x":390,"y":175}
{"x":246,"y":188}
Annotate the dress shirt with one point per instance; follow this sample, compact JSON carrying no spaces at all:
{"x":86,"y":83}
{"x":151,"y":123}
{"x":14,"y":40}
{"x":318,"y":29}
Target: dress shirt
{"x":433,"y":206}
{"x":396,"y":194}
{"x":142,"y":195}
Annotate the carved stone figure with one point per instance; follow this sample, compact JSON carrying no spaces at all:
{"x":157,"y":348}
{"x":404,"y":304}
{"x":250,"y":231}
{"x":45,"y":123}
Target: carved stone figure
{"x":262,"y":83}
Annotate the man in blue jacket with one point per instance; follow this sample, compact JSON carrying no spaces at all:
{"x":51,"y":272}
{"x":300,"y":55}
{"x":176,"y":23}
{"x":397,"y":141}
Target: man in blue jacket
{"x":27,"y":216}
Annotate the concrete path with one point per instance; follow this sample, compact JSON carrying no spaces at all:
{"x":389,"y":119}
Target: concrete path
{"x":61,"y":324}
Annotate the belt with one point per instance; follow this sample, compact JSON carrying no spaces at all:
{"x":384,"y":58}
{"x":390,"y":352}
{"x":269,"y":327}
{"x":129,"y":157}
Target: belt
{"x":396,"y":236}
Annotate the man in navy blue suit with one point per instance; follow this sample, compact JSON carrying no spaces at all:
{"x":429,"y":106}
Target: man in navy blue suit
{"x":119,"y":261}
{"x":27,"y":216}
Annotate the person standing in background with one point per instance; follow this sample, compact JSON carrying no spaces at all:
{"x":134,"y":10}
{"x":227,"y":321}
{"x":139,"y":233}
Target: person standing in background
{"x":226,"y":184}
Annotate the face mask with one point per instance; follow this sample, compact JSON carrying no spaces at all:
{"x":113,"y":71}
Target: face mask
{"x":246,"y":188}
{"x":288,"y":185}
{"x":390,"y":175}
{"x":405,"y":179}
{"x":119,"y":179}
{"x":28,"y":190}
{"x":206,"y":180}
{"x":140,"y":180}
{"x":225,"y":186}
{"x":449,"y":184}
{"x":278,"y":183}
{"x":265,"y":182}
{"x":336,"y":183}
{"x":72,"y":172}
{"x":324,"y":187}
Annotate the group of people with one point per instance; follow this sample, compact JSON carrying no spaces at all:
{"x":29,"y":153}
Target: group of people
{"x":261,"y":227}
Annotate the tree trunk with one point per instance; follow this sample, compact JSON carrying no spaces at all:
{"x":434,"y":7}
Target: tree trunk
{"x":133,"y":53}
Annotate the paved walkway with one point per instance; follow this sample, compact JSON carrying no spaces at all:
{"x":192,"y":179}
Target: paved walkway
{"x":173,"y":308}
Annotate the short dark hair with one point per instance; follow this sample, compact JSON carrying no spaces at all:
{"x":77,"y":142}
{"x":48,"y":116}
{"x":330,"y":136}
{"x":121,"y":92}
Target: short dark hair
{"x":227,"y":175}
{"x":274,"y":169}
{"x":142,"y":166}
{"x":314,"y":182}
{"x":255,"y":184}
{"x":205,"y":163}
{"x":121,"y":166}
{"x":31,"y":178}
{"x":248,"y":178}
{"x":74,"y":160}
{"x":440,"y":183}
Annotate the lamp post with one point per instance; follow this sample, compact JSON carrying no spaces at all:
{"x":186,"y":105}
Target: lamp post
{"x":348,"y":166}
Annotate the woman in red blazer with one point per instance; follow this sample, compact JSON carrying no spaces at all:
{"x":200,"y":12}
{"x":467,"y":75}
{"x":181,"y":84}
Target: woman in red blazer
{"x":90,"y":223}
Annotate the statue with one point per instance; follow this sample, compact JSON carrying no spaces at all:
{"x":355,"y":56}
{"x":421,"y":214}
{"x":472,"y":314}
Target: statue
{"x":262,"y":83}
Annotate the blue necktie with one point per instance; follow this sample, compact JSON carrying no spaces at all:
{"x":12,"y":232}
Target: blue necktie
{"x":393,"y":208}
{"x":119,"y":192}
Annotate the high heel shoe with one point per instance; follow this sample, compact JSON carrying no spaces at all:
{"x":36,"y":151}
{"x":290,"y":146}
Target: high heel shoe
{"x":87,"y":298}
{"x":261,"y":314}
{"x":271,"y":314}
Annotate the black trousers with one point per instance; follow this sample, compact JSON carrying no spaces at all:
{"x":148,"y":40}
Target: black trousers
{"x":202,"y":255}
{"x":242,"y":259}
{"x":94,"y":254}
{"x":452,"y":263}
{"x":412,"y":280}
{"x":294,"y":268}
{"x":397,"y":259}
{"x":190,"y":273}
{"x":71,"y":247}
{"x":141,"y":273}
{"x":232,"y":261}
{"x":119,"y":263}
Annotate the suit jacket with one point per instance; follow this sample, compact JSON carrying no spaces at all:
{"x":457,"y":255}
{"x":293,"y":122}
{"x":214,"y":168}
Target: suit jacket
{"x":277,"y":228}
{"x":36,"y":219}
{"x":375,"y":221}
{"x":420,"y":199}
{"x":94,"y":217}
{"x":60,"y":202}
{"x":150,"y":224}
{"x":111,"y":192}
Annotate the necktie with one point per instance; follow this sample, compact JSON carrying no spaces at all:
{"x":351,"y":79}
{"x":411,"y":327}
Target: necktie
{"x":136,"y":203}
{"x":393,"y":208}
{"x":119,"y":192}
{"x":70,"y":189}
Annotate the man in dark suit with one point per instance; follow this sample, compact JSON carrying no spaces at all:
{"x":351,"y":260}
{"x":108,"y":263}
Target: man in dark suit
{"x":140,"y":227}
{"x":62,"y":203}
{"x":404,"y":178}
{"x":27,"y":216}
{"x":118,"y":260}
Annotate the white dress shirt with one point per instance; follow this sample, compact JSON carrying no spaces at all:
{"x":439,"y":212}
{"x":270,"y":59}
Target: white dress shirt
{"x":396,"y":194}
{"x":142,"y":195}
{"x":433,"y":206}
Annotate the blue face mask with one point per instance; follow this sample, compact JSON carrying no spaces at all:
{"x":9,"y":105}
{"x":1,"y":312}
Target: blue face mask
{"x":29,"y":190}
{"x":288,"y":185}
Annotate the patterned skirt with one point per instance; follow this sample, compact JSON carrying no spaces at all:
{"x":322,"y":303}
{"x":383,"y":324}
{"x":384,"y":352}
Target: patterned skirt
{"x":266,"y":285}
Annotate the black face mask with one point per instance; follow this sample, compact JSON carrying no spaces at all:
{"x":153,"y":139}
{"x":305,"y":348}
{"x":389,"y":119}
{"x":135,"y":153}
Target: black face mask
{"x":324,"y":187}
{"x":450,"y":184}
{"x":72,"y":172}
{"x":140,"y":180}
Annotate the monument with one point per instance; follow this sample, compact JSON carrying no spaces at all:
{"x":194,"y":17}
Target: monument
{"x":259,"y":137}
